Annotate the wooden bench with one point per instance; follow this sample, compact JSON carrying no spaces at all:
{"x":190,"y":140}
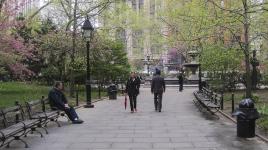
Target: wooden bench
{"x":36,"y":110}
{"x":208,"y":99}
{"x":15,"y":125}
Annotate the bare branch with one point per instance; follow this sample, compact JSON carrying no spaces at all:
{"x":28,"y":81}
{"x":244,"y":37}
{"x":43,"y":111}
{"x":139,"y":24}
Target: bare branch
{"x":39,"y":10}
{"x":235,"y":11}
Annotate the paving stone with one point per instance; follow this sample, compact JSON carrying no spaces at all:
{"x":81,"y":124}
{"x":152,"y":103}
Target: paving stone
{"x":132,"y":145}
{"x":114,"y":140}
{"x":90,"y":145}
{"x":151,"y":140}
{"x":173,"y":145}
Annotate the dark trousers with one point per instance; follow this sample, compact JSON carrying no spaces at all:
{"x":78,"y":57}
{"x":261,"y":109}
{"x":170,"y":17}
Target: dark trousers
{"x":133,"y":102}
{"x":181,"y":87}
{"x":71,"y":113}
{"x":158,"y":101}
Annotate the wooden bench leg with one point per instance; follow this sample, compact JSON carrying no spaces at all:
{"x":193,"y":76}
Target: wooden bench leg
{"x":2,"y":139}
{"x":41,"y":126}
{"x":53,"y":120}
{"x":57,"y":122}
{"x":2,"y":143}
{"x":32,"y":131}
{"x":198,"y":105}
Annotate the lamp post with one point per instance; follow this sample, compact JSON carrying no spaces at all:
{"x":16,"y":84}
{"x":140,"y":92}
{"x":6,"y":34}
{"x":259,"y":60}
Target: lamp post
{"x":87,"y":33}
{"x":148,"y":63}
{"x":200,"y":86}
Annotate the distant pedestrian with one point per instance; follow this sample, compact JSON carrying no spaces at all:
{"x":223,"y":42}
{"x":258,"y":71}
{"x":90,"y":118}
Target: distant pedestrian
{"x":138,"y":78}
{"x":132,"y":90}
{"x":158,"y":87}
{"x":180,"y":82}
{"x":58,"y":101}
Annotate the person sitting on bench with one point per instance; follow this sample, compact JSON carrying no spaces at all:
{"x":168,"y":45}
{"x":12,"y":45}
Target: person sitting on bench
{"x":58,"y":101}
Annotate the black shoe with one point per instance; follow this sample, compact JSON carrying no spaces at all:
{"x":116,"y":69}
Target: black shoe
{"x":159,"y":110}
{"x":78,"y":121}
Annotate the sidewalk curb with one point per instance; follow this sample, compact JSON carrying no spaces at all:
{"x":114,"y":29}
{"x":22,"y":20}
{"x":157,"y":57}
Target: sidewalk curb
{"x":234,"y":121}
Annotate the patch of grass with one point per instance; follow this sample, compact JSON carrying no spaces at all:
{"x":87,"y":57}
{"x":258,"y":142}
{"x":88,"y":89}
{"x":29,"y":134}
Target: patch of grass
{"x":263,"y":122}
{"x":261,"y":105}
{"x":22,"y":92}
{"x":19,"y":91}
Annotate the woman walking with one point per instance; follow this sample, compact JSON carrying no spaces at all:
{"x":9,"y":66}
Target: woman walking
{"x":132,"y":90}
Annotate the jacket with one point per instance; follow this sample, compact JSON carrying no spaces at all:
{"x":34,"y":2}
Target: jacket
{"x":57,"y":99}
{"x":158,"y":84}
{"x":132,"y":87}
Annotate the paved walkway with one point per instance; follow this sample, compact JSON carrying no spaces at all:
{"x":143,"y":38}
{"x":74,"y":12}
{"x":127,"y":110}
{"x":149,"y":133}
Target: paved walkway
{"x":178,"y":127}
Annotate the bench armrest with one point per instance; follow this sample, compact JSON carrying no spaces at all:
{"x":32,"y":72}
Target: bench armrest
{"x":2,"y":139}
{"x":3,"y":136}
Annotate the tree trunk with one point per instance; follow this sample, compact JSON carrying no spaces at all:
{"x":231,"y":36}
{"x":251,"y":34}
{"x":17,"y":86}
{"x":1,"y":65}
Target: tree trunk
{"x":74,"y":49}
{"x":247,"y":50}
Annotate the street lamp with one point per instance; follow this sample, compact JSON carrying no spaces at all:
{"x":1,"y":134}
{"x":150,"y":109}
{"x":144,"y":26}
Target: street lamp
{"x":87,"y":34}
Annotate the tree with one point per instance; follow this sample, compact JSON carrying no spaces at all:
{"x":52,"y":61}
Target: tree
{"x":74,"y":12}
{"x":244,"y":11}
{"x":235,"y":24}
{"x":13,"y":50}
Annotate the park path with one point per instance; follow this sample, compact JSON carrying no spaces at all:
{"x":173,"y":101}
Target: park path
{"x":179,"y":126}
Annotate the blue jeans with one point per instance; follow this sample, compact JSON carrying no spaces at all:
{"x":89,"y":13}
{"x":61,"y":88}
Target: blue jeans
{"x":71,"y":113}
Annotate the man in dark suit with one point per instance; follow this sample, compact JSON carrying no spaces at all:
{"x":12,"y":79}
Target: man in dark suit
{"x":58,"y":101}
{"x":157,"y":88}
{"x":180,"y":82}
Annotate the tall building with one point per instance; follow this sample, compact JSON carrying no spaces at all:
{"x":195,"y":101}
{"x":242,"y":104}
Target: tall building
{"x":144,"y":40}
{"x":25,"y":7}
{"x":140,"y":42}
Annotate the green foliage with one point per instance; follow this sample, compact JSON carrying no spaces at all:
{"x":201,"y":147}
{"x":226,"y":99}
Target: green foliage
{"x":112,"y":65}
{"x":223,"y":65}
{"x":78,"y":66}
{"x":50,"y":74}
{"x":263,"y":109}
{"x":263,"y":122}
{"x":254,"y":97}
{"x":219,"y":58}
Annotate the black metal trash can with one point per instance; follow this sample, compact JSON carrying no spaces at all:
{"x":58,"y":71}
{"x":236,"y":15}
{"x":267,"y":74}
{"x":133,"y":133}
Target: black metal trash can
{"x":246,"y":117}
{"x":112,"y":91}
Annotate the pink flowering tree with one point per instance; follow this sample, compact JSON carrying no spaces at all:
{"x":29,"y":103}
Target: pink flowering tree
{"x":13,"y":50}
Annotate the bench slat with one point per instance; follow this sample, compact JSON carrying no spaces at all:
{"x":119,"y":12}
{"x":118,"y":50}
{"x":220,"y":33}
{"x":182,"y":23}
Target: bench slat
{"x":209,"y":99}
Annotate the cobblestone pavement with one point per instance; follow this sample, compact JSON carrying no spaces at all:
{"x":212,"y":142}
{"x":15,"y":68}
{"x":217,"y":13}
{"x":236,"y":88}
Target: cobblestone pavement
{"x":180,"y":126}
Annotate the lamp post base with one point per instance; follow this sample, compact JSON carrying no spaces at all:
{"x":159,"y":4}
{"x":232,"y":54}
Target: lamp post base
{"x":88,"y":106}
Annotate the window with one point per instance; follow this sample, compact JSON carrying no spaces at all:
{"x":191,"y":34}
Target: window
{"x":136,"y":38}
{"x":134,"y":4}
{"x":121,"y":35}
{"x":141,"y":3}
{"x":152,"y":7}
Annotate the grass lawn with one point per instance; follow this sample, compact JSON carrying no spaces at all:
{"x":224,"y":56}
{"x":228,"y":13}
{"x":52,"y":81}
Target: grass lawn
{"x":20,"y":91}
{"x":261,"y":104}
